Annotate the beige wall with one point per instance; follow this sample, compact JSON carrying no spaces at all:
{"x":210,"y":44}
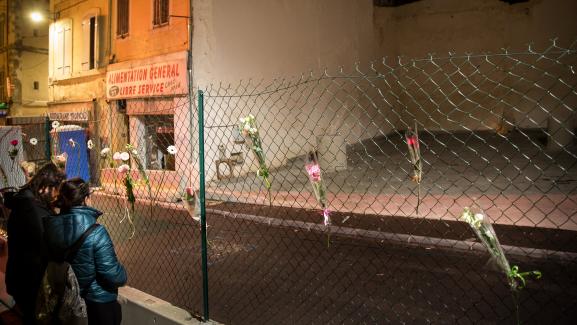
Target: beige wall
{"x":82,"y":85}
{"x":242,"y":46}
{"x":494,"y":93}
{"x":441,"y":26}
{"x":236,"y":40}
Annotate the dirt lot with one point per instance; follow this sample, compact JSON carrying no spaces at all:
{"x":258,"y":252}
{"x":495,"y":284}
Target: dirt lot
{"x":278,"y":274}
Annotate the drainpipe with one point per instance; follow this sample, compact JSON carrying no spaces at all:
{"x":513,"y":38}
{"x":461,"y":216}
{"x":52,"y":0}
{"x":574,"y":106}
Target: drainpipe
{"x":109,"y":45}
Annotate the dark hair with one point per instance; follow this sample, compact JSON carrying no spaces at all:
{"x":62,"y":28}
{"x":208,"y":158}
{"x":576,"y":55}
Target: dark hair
{"x":72,"y":193}
{"x":49,"y":176}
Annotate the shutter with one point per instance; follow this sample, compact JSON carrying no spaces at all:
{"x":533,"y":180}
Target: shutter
{"x":67,"y":61}
{"x":96,"y":46}
{"x":85,"y":58}
{"x":51,"y":49}
{"x":59,"y":53}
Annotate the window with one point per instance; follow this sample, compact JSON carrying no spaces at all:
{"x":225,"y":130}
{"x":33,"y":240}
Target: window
{"x":90,"y":43}
{"x":160,"y":12}
{"x":36,"y":85}
{"x":2,"y":23}
{"x":3,"y":87}
{"x":61,"y":49}
{"x":122,"y":18}
{"x":159,"y":135}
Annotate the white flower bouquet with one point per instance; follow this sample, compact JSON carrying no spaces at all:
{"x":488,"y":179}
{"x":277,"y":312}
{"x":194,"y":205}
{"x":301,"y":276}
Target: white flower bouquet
{"x":486,"y":234}
{"x":249,"y":130}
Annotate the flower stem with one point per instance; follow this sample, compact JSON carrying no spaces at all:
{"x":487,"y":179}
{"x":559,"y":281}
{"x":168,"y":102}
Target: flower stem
{"x":514,"y":294}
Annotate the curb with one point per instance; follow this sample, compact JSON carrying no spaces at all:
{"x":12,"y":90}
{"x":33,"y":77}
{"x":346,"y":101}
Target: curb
{"x":412,"y":240}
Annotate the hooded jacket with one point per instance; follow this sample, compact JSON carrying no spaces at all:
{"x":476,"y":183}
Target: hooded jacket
{"x":96,"y":266}
{"x":26,"y":253}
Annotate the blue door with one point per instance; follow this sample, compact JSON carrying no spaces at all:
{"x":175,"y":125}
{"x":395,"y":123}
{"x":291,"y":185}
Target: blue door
{"x":77,"y":151}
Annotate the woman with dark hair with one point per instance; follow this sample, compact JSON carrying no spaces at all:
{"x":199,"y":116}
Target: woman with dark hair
{"x":27,"y":256}
{"x":96,"y":266}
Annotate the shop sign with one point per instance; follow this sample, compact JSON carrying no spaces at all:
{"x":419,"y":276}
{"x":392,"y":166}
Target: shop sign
{"x":68,"y":116}
{"x":163,"y":78}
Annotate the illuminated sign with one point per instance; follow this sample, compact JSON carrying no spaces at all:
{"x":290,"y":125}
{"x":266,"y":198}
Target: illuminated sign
{"x":166,"y":76}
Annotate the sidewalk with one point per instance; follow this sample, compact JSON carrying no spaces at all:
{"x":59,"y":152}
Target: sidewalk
{"x":520,"y":240}
{"x":4,"y":296}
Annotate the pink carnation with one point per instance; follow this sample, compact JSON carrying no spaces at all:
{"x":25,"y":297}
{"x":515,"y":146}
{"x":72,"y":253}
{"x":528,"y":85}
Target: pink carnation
{"x":412,"y":141}
{"x":123,"y":169}
{"x":314,"y":172}
{"x":14,"y":142}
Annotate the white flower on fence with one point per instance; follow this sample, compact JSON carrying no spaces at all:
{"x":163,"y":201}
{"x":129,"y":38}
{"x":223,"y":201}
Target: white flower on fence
{"x":249,"y":130}
{"x":171,"y":150}
{"x":486,"y":234}
{"x":104,"y":152}
{"x":124,"y":156}
{"x":122,"y":169}
{"x":55,"y":124}
{"x":90,"y":144}
{"x":33,"y":141}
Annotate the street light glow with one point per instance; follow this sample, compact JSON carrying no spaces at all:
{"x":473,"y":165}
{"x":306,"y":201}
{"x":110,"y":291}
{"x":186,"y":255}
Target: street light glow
{"x":36,"y":17}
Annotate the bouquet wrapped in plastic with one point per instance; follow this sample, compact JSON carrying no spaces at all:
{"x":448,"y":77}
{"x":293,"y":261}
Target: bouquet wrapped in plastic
{"x":249,"y":130}
{"x":191,"y":203}
{"x":315,"y":177}
{"x":485,"y":232}
{"x":60,"y":160}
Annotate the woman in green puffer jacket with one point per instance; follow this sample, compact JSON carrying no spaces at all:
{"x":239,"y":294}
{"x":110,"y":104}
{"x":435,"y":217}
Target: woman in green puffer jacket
{"x":96,"y":266}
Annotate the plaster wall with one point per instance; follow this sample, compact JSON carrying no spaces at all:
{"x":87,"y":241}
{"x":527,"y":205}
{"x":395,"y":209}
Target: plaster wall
{"x":498,"y":93}
{"x":145,"y":40}
{"x":472,"y":26}
{"x":254,"y":46}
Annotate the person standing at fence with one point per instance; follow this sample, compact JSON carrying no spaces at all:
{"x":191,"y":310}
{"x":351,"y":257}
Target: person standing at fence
{"x":96,"y":265}
{"x":27,"y":256}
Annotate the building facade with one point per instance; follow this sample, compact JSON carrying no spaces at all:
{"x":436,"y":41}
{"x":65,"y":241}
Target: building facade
{"x":123,"y":69}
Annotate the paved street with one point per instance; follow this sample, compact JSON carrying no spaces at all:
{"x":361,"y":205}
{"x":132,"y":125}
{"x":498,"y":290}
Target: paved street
{"x":267,"y":274}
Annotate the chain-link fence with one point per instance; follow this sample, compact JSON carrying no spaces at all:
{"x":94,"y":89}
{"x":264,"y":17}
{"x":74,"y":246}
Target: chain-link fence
{"x":336,"y":197}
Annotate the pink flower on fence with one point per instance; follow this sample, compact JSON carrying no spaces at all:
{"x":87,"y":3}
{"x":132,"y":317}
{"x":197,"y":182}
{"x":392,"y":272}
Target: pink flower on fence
{"x":13,"y":151}
{"x":314,"y":171}
{"x":123,"y":169}
{"x":412,"y":139}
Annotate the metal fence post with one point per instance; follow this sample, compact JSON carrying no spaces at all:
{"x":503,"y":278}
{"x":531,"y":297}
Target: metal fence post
{"x":47,"y":135}
{"x":202,"y":204}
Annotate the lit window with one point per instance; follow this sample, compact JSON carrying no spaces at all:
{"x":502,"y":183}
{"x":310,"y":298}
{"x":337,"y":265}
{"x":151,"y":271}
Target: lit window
{"x":159,"y":135}
{"x":90,"y":43}
{"x":160,"y":12}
